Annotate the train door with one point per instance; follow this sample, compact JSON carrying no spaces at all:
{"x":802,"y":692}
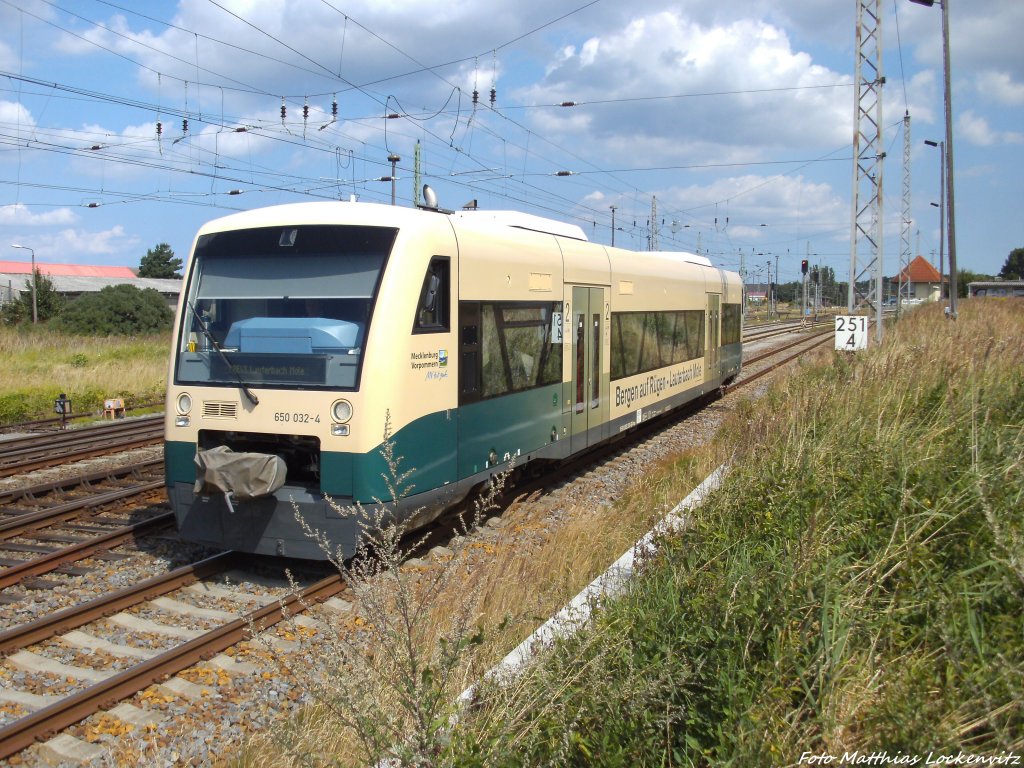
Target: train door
{"x":713,"y":351}
{"x":589,"y":392}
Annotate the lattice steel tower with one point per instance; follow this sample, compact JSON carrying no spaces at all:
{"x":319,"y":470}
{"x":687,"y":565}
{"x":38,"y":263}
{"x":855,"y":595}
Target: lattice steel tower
{"x":866,"y":272}
{"x":903,"y":290}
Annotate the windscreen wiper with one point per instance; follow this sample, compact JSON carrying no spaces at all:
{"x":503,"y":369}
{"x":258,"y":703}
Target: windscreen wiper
{"x":206,"y":332}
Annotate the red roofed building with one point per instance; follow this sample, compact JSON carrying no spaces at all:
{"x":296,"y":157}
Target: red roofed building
{"x":924,"y":280}
{"x":72,"y":280}
{"x":64,"y":270}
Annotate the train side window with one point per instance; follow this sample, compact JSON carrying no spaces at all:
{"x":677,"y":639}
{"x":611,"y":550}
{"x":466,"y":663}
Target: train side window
{"x":432,"y":315}
{"x":645,"y":341}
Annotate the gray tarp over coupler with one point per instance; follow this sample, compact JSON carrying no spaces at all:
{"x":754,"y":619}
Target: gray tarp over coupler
{"x":241,"y":476}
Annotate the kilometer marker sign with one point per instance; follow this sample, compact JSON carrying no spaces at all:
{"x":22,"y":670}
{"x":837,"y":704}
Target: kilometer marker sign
{"x":851,"y":332}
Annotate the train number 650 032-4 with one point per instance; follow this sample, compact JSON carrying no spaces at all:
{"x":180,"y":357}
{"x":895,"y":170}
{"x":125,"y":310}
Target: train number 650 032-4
{"x":296,"y":418}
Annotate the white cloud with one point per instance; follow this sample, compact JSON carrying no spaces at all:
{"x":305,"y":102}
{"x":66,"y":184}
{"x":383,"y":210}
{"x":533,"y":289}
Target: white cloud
{"x":780,"y":201}
{"x":1001,"y":88}
{"x":20,"y":215}
{"x":13,"y":113}
{"x":78,"y":246}
{"x":975,"y":129}
{"x":766,"y":92}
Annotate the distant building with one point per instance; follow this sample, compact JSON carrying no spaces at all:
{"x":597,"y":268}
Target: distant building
{"x":72,"y":280}
{"x":996,"y":288}
{"x":923,"y":280}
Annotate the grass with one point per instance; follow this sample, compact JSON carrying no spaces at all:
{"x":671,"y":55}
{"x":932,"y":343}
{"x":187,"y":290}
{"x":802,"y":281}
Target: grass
{"x":39,"y":364}
{"x":856,"y":585}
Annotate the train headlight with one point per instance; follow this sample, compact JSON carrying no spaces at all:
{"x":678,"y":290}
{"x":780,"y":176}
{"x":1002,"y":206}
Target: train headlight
{"x":184,"y":406}
{"x":341,"y":411}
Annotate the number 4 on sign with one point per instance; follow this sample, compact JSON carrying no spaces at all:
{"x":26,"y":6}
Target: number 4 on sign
{"x":851,"y":332}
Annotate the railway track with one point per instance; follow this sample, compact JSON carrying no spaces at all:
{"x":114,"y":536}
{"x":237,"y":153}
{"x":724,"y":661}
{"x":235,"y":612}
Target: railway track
{"x":59,"y":423}
{"x":94,"y":688}
{"x":49,"y":526}
{"x":19,"y":455}
{"x":188,"y":626}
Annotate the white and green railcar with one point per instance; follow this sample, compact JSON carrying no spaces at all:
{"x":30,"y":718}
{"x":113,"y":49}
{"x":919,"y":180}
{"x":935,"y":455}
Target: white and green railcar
{"x":480,"y":338}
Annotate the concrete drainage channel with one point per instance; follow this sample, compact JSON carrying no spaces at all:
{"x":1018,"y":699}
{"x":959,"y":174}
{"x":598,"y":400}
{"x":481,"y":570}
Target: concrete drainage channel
{"x":610,"y":583}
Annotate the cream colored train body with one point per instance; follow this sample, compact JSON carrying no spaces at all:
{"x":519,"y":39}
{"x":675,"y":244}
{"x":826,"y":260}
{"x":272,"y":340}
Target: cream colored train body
{"x":475,"y":338}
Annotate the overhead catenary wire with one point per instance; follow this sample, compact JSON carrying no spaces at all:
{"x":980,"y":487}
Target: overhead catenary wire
{"x":618,"y":186}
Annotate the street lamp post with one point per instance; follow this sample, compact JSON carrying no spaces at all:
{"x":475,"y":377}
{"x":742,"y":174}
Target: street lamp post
{"x":948,"y":153}
{"x":942,"y":207}
{"x":35,"y":311}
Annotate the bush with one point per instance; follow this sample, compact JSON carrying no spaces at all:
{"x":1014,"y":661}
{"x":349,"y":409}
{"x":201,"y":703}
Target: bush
{"x":121,"y":310}
{"x":49,"y":303}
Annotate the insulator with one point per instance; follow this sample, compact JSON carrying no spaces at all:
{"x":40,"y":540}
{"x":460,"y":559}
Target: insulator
{"x":476,"y":96}
{"x":284,"y":111}
{"x":184,"y":125}
{"x":159,"y":128}
{"x":94,"y":147}
{"x":563,"y":173}
{"x":393,"y":116}
{"x":334,"y":107}
{"x":567,"y":104}
{"x":305,"y":111}
{"x":94,"y":205}
{"x":494,"y":95}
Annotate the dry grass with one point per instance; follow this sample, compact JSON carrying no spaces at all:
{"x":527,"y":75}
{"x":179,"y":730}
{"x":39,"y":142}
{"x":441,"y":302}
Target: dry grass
{"x":39,"y":364}
{"x":805,"y":430}
{"x":513,"y":582}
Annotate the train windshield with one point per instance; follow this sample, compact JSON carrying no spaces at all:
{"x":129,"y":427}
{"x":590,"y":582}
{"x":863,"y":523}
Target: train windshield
{"x":284,"y":306}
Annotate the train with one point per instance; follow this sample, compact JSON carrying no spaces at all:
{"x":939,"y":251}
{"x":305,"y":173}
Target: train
{"x":310,"y":335}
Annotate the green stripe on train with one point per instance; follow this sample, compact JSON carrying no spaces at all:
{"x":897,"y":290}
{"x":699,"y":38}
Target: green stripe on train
{"x":436,"y":449}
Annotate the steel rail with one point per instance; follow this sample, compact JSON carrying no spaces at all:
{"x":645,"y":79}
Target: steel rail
{"x":48,"y":721}
{"x":755,"y":376}
{"x":72,"y":436}
{"x":65,"y":620}
{"x":29,"y":492}
{"x":778,"y":350}
{"x":37,"y":566}
{"x":43,"y":458}
{"x":33,"y":521}
{"x":21,"y":426}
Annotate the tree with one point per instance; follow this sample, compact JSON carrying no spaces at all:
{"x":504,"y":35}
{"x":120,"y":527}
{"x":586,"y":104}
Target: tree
{"x":1013,"y":269}
{"x":49,"y":303}
{"x":118,"y":310}
{"x":160,"y":261}
{"x":964,"y":277}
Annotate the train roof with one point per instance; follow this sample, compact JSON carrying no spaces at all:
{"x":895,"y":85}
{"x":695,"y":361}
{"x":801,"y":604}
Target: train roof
{"x":520,"y":220}
{"x":692,"y":258}
{"x":379,"y":214}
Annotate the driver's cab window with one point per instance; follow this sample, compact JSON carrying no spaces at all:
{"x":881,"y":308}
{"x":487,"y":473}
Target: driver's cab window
{"x":433,"y":307}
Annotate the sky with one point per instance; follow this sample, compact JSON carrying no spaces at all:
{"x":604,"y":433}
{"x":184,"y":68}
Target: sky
{"x":721,"y":128}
